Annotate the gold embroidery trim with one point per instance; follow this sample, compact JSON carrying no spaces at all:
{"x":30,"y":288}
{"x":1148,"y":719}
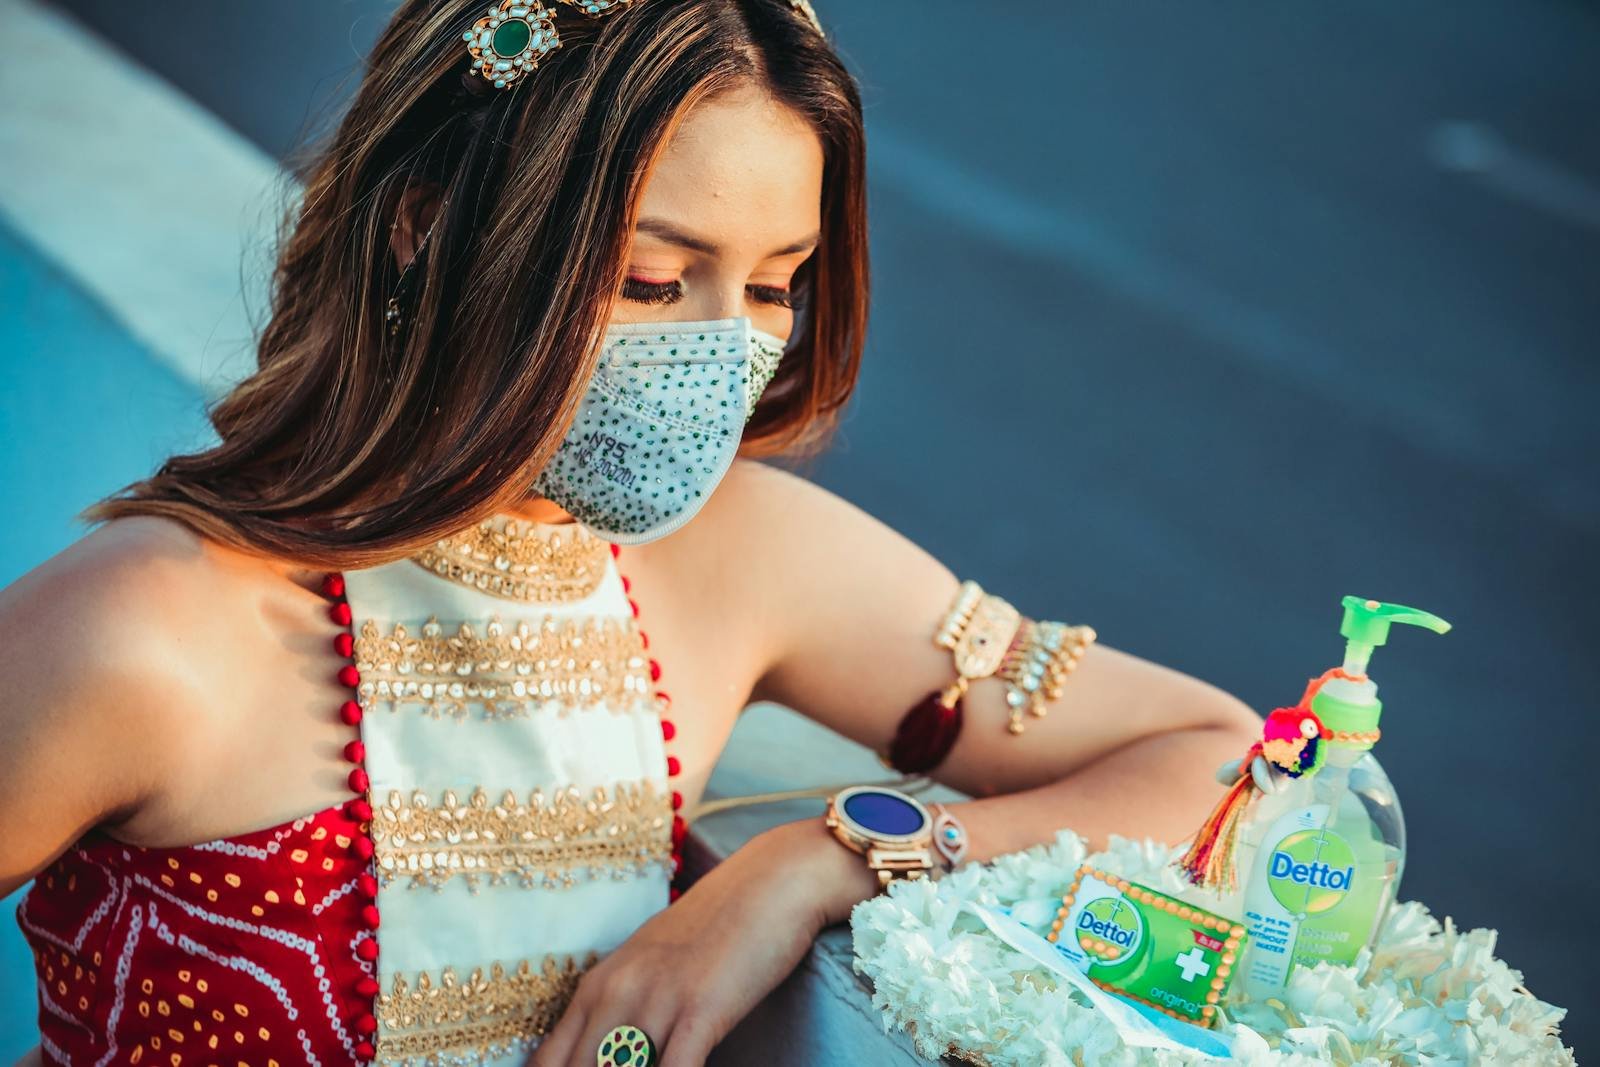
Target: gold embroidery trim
{"x":520,"y":560}
{"x":511,"y":670}
{"x":546,"y":842}
{"x":484,"y":1016}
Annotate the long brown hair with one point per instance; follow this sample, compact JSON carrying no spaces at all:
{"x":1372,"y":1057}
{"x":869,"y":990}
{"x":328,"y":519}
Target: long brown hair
{"x":347,"y":448}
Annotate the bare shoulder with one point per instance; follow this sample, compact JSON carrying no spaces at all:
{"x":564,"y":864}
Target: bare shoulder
{"x":94,"y":683}
{"x":111,"y":591}
{"x":798,"y":557}
{"x":763,"y":500}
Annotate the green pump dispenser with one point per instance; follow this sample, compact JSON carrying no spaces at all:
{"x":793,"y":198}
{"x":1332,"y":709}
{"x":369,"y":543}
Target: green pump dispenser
{"x":1324,"y":854}
{"x":1352,"y":707}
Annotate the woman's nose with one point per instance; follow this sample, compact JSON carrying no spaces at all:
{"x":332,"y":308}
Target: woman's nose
{"x":721,"y":303}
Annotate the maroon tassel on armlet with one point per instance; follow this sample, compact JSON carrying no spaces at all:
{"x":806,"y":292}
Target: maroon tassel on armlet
{"x":927,"y":732}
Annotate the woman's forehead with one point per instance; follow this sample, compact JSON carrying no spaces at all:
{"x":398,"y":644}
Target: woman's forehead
{"x":742,"y":169}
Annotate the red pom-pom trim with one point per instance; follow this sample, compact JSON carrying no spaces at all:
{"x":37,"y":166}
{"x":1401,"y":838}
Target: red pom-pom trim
{"x":673,"y":766}
{"x":365,"y":1050}
{"x":358,"y":809}
{"x":355,"y":752}
{"x":367,"y":986}
{"x":350,"y":712}
{"x":340,"y":613}
{"x":358,"y":781}
{"x":677,"y":800}
{"x":367,"y":949}
{"x":369,"y":886}
{"x":333,"y":585}
{"x":344,"y":644}
{"x":673,"y":893}
{"x":366,"y":1024}
{"x":616,"y":550}
{"x":655,"y":671}
{"x":668,"y":731}
{"x":349,"y":676}
{"x":369,"y":915}
{"x":634,"y":607}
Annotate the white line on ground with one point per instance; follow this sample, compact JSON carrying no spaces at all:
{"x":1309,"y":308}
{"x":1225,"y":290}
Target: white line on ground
{"x":155,"y":206}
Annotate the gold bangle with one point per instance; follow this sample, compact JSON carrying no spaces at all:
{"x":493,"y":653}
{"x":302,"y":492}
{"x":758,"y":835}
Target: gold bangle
{"x":1037,"y":663}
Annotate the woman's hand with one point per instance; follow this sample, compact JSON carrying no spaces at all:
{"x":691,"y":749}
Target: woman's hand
{"x":691,"y":971}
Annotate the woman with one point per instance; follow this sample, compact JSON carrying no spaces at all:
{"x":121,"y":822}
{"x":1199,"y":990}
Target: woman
{"x":371,"y":732}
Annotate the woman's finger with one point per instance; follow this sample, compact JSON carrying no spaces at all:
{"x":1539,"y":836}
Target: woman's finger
{"x":689,"y":1043}
{"x":554,"y":1050}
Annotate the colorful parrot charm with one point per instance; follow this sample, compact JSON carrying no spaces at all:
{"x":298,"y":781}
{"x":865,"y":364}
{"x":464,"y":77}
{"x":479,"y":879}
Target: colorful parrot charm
{"x":1293,"y":741}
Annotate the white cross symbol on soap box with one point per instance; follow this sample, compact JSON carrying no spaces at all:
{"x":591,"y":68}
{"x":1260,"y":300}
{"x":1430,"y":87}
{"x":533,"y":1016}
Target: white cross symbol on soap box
{"x":1193,"y":964}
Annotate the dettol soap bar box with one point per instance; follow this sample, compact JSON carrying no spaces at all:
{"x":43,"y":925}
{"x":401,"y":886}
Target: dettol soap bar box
{"x":1145,"y":945}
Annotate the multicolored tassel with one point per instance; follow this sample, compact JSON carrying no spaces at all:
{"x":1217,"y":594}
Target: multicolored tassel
{"x":1292,"y":740}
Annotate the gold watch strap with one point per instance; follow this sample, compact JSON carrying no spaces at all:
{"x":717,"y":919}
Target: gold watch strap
{"x":900,"y":863}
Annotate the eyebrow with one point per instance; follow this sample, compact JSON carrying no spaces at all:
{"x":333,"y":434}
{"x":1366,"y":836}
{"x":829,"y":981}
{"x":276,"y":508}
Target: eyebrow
{"x":665,"y":230}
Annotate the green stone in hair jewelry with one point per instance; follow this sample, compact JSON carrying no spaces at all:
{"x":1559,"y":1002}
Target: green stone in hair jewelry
{"x":509,"y":40}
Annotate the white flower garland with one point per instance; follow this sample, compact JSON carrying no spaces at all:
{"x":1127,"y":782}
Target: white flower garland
{"x":1426,"y":993}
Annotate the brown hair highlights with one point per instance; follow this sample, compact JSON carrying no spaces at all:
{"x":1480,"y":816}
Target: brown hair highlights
{"x":347,"y":448}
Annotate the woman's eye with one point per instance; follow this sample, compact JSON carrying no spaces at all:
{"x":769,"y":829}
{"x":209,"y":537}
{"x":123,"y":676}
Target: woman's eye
{"x":771,"y":294}
{"x":643,"y":292}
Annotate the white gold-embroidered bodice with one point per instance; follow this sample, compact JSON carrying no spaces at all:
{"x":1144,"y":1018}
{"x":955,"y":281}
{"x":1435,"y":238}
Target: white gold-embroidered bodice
{"x":521,"y":815}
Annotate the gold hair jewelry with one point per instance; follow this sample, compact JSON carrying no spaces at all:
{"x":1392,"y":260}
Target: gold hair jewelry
{"x":805,"y":8}
{"x":1037,"y":663}
{"x":508,"y":41}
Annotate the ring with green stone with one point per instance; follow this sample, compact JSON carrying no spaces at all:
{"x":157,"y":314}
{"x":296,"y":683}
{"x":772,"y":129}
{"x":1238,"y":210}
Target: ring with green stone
{"x":626,"y":1046}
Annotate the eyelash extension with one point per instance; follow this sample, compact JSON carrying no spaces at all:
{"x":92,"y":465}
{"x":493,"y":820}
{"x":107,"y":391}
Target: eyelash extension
{"x":671,"y":292}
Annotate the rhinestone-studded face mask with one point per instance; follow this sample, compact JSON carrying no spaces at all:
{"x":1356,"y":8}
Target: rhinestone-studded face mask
{"x":659,"y":425}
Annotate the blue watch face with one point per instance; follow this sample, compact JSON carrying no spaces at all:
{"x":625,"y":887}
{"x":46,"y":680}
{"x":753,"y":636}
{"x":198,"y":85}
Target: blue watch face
{"x":883,"y":813}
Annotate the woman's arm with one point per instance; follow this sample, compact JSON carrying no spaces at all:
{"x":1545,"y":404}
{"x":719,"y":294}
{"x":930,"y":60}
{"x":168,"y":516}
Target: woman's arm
{"x":1129,"y":746}
{"x":88,"y":725}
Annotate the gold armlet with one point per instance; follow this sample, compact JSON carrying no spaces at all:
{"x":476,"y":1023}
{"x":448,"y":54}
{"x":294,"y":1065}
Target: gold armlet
{"x":977,"y":630}
{"x":1037,"y":664}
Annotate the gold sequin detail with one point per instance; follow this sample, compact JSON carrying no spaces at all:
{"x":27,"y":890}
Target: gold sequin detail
{"x":511,"y":670}
{"x":546,"y":842}
{"x":475,"y":1018}
{"x":521,"y":560}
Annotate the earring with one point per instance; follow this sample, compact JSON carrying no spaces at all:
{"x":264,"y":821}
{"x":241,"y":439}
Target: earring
{"x":393,"y":312}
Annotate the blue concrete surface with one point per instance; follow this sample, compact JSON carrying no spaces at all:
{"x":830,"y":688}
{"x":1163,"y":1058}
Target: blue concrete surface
{"x":84,"y":411}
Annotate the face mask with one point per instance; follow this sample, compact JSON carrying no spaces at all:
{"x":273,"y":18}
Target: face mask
{"x":659,"y":425}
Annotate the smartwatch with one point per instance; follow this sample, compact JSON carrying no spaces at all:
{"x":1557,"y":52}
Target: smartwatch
{"x":892,"y":829}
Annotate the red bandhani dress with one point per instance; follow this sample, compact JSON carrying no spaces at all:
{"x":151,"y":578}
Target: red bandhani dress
{"x":510,"y":821}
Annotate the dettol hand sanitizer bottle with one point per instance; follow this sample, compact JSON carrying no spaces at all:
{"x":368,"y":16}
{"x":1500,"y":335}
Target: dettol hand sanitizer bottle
{"x":1324,"y":855}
